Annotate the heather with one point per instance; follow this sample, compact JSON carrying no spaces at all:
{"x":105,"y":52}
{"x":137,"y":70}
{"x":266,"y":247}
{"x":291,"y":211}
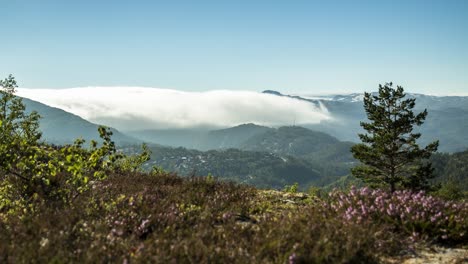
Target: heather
{"x":160,"y":217}
{"x":416,"y":214}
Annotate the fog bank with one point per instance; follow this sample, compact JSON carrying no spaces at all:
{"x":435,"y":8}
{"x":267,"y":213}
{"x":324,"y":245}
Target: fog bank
{"x":136,"y":108}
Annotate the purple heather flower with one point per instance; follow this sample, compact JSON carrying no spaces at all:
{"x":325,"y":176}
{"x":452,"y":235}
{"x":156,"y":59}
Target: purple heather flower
{"x":292,"y":258}
{"x":408,"y":210}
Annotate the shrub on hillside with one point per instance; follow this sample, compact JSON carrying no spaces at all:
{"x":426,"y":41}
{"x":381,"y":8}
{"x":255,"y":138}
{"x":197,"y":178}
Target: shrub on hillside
{"x":32,"y":171}
{"x":415,"y":213}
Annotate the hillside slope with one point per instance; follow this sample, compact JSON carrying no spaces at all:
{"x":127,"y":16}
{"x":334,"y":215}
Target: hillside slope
{"x":61,"y":127}
{"x":201,"y":139}
{"x":300,"y":142}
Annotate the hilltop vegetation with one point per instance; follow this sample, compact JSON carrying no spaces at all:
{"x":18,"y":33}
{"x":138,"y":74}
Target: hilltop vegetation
{"x":163,"y":218}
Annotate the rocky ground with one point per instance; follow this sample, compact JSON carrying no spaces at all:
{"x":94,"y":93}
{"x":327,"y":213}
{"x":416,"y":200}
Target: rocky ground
{"x":432,"y":255}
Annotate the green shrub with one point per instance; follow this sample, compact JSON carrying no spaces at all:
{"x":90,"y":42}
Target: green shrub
{"x":32,"y":171}
{"x":291,"y":188}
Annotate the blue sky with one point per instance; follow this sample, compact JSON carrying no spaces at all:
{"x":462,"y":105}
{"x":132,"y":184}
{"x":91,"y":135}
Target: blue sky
{"x":291,"y":46}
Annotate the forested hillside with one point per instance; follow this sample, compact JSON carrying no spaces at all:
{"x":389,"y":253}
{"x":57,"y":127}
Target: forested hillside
{"x":452,"y":168}
{"x":261,"y":169}
{"x":300,"y":142}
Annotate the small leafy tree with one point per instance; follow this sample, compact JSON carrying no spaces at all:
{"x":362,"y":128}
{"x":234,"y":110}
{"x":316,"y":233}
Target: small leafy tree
{"x":32,"y":169}
{"x":389,"y":152}
{"x":19,"y":133}
{"x":134,"y":163}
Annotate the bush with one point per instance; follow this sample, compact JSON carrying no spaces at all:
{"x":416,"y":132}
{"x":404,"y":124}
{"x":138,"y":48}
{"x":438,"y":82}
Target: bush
{"x":33,"y":172}
{"x":414,"y":213}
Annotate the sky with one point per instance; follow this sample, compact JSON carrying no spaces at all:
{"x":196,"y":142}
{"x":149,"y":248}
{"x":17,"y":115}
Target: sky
{"x":301,"y":47}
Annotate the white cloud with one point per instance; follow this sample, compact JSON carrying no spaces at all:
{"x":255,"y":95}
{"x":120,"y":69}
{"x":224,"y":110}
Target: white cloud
{"x":134,"y":108}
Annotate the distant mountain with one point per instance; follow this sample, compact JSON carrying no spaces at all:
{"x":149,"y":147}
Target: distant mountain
{"x":446,"y":120}
{"x":300,"y":142}
{"x":323,"y":152}
{"x":233,"y":137}
{"x":293,"y":141}
{"x":61,"y":127}
{"x":187,"y":138}
{"x":202,"y":139}
{"x":314,"y":101}
{"x":422,"y":100}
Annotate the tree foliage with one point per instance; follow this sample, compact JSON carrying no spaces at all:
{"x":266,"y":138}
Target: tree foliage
{"x":31,"y":169}
{"x":389,"y":151}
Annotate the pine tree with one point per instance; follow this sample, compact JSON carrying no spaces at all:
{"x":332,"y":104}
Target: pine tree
{"x":389,"y":153}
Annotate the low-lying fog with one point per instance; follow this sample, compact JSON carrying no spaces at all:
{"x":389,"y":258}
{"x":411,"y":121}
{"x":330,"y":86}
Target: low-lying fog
{"x":137,"y":108}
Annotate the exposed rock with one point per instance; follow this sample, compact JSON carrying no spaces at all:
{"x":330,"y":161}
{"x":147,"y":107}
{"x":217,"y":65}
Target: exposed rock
{"x":433,"y":255}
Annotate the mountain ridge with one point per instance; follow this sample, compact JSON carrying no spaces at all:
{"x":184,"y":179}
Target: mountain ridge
{"x":61,"y":127}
